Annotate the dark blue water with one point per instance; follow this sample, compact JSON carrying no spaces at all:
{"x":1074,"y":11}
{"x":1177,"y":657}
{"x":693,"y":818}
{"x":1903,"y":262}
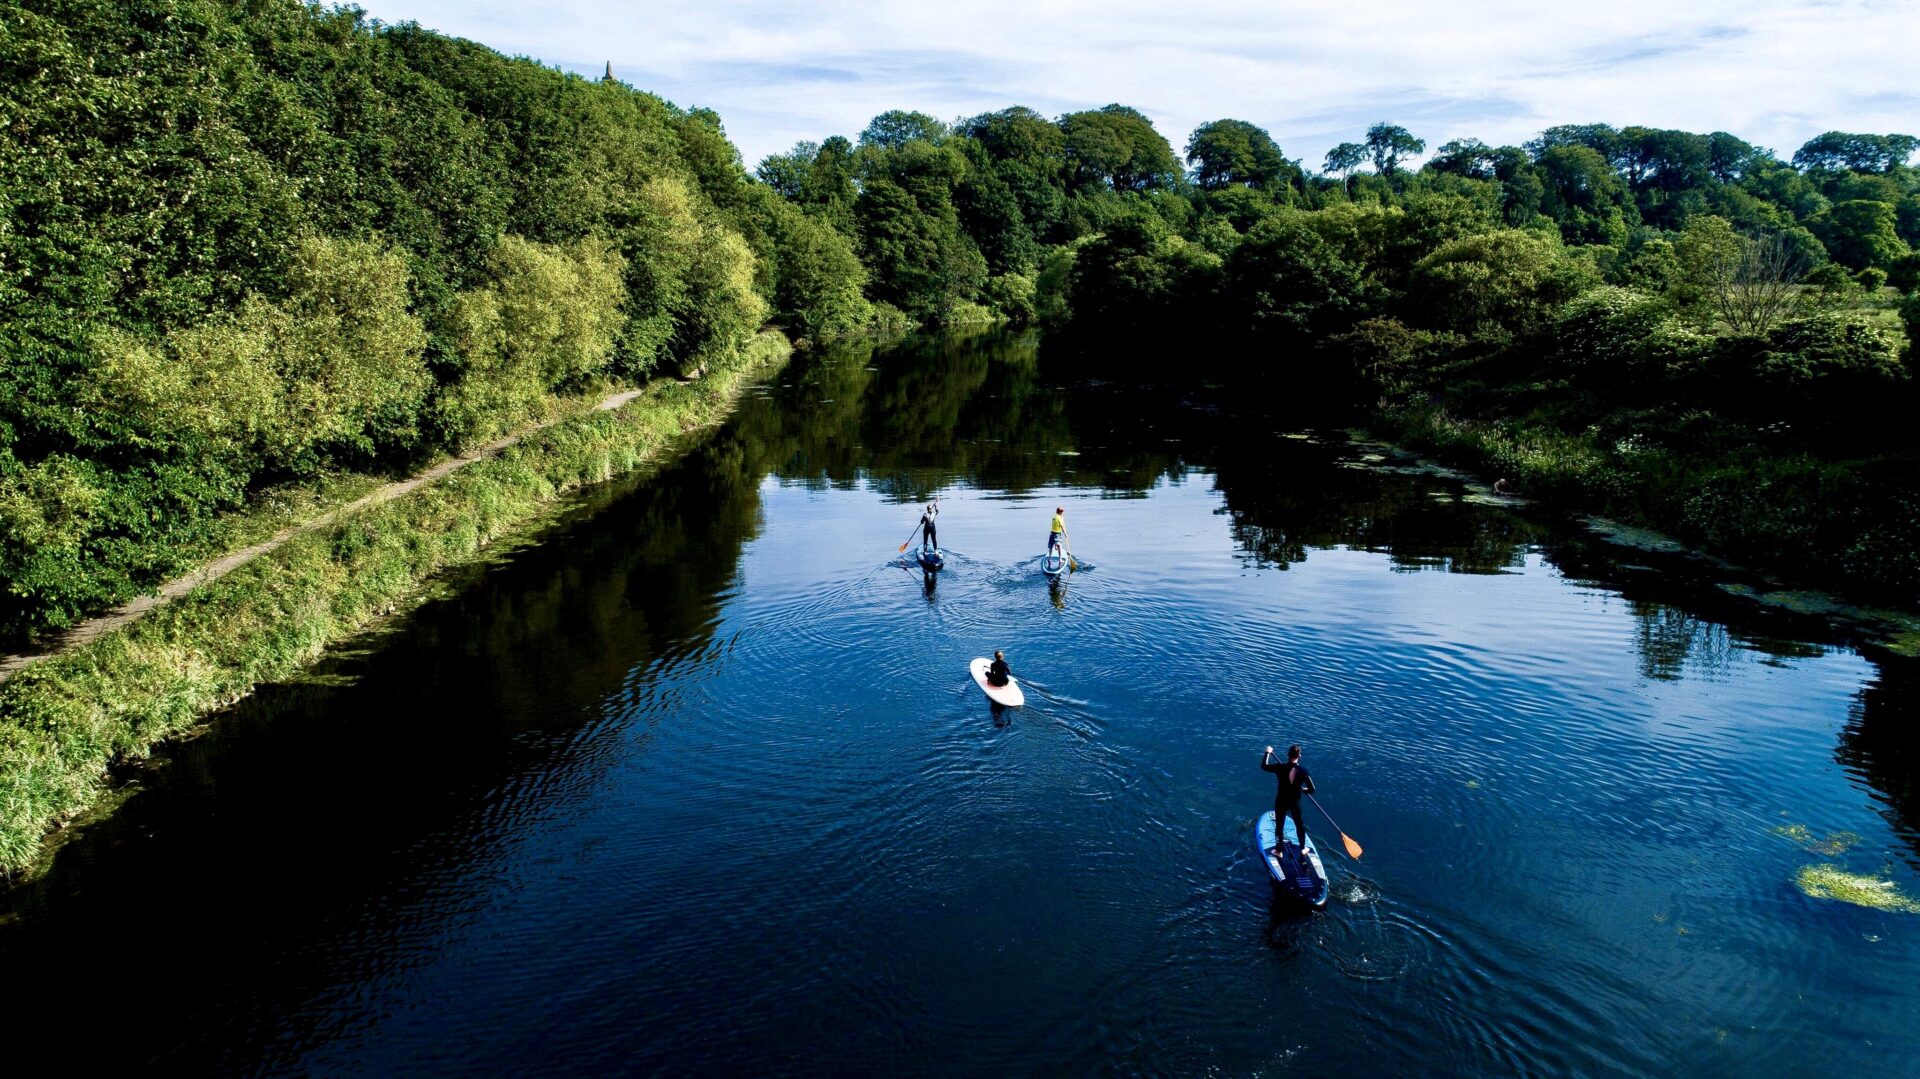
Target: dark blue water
{"x":699,"y":784}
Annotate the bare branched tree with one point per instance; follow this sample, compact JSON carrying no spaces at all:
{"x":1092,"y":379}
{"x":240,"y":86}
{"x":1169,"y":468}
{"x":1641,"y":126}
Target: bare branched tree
{"x":1755,"y":282}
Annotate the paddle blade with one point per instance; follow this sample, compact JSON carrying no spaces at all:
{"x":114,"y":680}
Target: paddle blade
{"x":903,"y":548}
{"x":1353,"y":849}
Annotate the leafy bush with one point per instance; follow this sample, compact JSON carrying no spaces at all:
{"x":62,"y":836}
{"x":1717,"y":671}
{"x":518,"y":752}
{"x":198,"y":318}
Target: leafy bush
{"x":1394,"y":357}
{"x":1012,"y":295}
{"x":1497,"y":284}
{"x":1613,"y":337}
{"x":547,"y":320}
{"x":1832,"y":348}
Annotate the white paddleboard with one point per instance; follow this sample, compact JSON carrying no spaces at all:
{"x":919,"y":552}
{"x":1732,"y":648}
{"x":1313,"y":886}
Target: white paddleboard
{"x":1008,"y":694}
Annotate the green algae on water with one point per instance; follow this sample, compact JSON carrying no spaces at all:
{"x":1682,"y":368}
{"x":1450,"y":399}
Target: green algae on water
{"x":1825,"y":881}
{"x":1834,"y":845}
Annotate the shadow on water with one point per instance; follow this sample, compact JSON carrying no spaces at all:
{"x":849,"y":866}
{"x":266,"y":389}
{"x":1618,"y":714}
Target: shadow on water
{"x":258,"y":868}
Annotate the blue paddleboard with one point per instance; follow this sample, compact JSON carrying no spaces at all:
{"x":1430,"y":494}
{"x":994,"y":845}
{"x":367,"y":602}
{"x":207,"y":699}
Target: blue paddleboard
{"x":1054,"y":562}
{"x":1295,"y":873}
{"x":932,"y":558}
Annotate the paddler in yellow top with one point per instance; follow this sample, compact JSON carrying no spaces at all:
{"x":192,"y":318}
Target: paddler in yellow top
{"x":1058,"y":533}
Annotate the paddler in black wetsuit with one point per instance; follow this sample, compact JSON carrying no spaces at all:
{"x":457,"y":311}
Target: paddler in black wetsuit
{"x":1294,"y":783}
{"x":999,"y":674}
{"x":929,"y":529}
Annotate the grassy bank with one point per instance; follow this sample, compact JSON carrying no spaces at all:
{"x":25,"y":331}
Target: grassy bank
{"x":64,"y":722}
{"x":1843,"y":524}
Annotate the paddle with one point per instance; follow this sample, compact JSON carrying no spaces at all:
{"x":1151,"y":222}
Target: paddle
{"x":1353,"y":849}
{"x":1072,"y":562}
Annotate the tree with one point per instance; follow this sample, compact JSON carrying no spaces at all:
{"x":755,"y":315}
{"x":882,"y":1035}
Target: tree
{"x":1497,"y":284}
{"x":1289,"y":284}
{"x":1117,"y":147}
{"x":1603,"y":139}
{"x":895,"y":128}
{"x":1583,"y":194}
{"x":920,"y":261}
{"x":1664,"y":160}
{"x":1838,"y":150}
{"x":1859,"y":233}
{"x":1345,"y":157}
{"x":1138,"y":280}
{"x":788,"y":173}
{"x":1752,"y":283}
{"x":819,"y":282}
{"x":1729,"y":158}
{"x":1018,"y":134}
{"x":546,"y":318}
{"x":1233,"y":152}
{"x":1387,"y":144}
{"x":1464,"y":157}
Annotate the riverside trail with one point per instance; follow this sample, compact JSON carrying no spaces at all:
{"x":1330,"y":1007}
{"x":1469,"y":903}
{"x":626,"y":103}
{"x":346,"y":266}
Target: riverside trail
{"x":131,"y":611}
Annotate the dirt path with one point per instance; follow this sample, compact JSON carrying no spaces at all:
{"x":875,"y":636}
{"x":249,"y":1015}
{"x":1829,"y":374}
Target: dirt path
{"x":134,"y":609}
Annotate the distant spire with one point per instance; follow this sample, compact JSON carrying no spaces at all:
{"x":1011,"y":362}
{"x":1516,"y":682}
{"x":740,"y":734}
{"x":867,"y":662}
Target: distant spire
{"x":608,"y":77}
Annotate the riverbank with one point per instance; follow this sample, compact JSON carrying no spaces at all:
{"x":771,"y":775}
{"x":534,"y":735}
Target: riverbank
{"x":65,"y":721}
{"x":1825,"y":538}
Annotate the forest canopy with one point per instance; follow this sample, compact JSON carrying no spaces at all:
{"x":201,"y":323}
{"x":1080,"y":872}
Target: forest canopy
{"x":244,"y":242}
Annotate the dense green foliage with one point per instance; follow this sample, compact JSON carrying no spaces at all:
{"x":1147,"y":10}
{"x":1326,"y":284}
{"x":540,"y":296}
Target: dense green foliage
{"x":1676,"y":327}
{"x":246,"y":241}
{"x":64,"y":721}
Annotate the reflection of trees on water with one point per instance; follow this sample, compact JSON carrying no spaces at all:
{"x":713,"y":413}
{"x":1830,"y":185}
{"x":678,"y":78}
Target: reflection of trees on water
{"x":1287,"y":497}
{"x":1668,"y":638}
{"x":908,"y":416}
{"x":978,"y":407}
{"x":1881,"y":743}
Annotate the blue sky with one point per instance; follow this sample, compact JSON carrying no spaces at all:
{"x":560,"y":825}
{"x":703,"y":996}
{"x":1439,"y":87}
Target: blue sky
{"x":1314,"y":74}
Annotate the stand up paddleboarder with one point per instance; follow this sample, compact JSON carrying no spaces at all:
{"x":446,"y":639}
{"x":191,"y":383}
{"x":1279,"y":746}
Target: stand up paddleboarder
{"x":1294,"y":784}
{"x":929,"y":526}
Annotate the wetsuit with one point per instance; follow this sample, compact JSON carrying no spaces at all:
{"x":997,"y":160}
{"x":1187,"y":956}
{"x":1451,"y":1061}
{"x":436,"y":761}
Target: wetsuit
{"x":929,"y":531}
{"x":1294,"y":783}
{"x":999,"y":674}
{"x":1055,"y":533}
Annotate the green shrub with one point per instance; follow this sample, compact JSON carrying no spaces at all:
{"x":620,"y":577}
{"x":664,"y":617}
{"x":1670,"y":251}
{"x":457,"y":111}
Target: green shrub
{"x":1393,"y":357}
{"x":1904,"y":274}
{"x":547,"y":320}
{"x":335,"y":368}
{"x":1803,"y":352}
{"x":1012,"y":295}
{"x":1613,"y":336}
{"x":1499,"y":284}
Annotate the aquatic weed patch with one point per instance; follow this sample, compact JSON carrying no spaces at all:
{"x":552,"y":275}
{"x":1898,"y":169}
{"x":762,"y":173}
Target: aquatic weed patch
{"x":1824,"y":880}
{"x":1834,"y":845}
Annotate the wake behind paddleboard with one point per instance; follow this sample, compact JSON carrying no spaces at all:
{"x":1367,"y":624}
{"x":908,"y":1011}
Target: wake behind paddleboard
{"x":1009,"y":694}
{"x":1296,"y":873}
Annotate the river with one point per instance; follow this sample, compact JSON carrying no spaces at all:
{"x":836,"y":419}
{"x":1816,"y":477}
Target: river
{"x":698,"y":783}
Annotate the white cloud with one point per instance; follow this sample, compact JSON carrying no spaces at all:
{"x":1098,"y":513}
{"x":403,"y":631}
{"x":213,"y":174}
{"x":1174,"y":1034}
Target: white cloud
{"x":1312,"y":73}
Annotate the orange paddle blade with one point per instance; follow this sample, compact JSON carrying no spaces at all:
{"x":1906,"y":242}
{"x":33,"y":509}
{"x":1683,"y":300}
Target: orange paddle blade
{"x":1353,"y":849}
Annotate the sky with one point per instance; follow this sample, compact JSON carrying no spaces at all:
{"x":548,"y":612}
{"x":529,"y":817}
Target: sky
{"x":1313,"y":74}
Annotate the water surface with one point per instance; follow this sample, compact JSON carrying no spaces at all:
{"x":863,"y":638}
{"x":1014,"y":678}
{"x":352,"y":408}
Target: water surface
{"x":700,"y":783}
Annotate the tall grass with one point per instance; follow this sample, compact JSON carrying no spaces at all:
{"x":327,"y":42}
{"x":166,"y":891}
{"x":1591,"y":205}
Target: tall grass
{"x":65,"y":721}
